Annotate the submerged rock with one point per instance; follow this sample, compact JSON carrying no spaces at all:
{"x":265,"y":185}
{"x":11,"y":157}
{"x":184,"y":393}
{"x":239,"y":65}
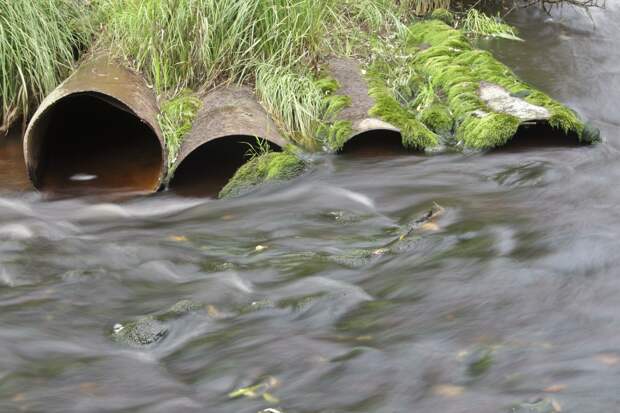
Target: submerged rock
{"x":546,"y":405}
{"x":147,"y":330}
{"x":141,"y":332}
{"x":268,"y":167}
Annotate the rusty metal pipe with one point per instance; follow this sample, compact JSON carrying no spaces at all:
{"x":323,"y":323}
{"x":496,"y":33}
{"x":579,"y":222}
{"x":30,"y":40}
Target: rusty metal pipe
{"x":370,"y":131}
{"x":98,"y":130}
{"x":225,"y":128}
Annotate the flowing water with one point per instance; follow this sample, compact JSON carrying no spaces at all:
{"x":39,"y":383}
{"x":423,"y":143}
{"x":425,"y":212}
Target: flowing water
{"x":309,"y":291}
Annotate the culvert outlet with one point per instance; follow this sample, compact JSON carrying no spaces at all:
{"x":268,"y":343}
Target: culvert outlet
{"x":97,"y":131}
{"x":367,"y":132}
{"x":225,"y":131}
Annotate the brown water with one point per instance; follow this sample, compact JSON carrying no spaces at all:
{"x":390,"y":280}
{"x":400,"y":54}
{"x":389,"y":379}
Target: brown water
{"x":511,"y":295}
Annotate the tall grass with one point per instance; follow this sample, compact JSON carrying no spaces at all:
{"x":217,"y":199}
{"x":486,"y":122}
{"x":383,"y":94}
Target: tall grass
{"x":294,"y":99}
{"x":198,"y":43}
{"x":38,"y":43}
{"x":479,"y":24}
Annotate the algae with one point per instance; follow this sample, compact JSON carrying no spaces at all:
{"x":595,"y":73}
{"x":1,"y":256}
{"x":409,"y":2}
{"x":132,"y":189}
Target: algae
{"x":262,"y":168}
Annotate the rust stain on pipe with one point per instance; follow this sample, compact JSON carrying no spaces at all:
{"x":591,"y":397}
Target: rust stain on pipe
{"x":98,"y":130}
{"x":370,"y":131}
{"x":226,"y":126}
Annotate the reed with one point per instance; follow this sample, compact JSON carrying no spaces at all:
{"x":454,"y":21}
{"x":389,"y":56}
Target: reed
{"x":201,"y":43}
{"x":39,"y":43}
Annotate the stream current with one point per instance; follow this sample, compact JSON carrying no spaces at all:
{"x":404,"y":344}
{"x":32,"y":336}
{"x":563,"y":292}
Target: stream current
{"x":511,"y":296}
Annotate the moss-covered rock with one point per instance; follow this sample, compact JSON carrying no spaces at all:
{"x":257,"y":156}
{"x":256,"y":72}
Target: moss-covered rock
{"x":268,"y":167}
{"x":546,"y":405}
{"x":140,"y":332}
{"x":446,"y":59}
{"x":147,"y":330}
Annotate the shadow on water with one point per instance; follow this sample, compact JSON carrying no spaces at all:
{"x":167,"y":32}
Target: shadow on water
{"x":90,"y":143}
{"x":538,"y":136}
{"x":206,"y":170}
{"x":375,"y":143}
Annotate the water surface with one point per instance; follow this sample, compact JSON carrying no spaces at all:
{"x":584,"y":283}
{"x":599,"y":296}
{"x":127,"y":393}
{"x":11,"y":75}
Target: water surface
{"x":511,"y":295}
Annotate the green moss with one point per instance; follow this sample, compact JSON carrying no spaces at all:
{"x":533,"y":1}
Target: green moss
{"x":337,"y":134}
{"x":489,"y":131}
{"x":434,"y":33}
{"x":333,"y":104}
{"x":446,"y":59}
{"x":176,"y":119}
{"x":414,"y":134}
{"x":327,"y":85}
{"x":270,"y":166}
{"x":437,"y":118}
{"x":443,"y":15}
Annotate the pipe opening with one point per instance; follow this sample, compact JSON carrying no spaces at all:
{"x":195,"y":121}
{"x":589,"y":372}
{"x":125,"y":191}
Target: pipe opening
{"x":539,"y":135}
{"x":89,"y":142}
{"x":209,"y":167}
{"x":377,"y":142}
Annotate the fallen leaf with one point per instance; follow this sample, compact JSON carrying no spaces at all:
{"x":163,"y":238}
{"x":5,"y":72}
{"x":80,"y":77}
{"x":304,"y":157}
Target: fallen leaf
{"x":430,"y":227}
{"x":88,"y":388}
{"x":556,"y":388}
{"x":212,"y":311}
{"x":19,"y":397}
{"x":228,"y":217}
{"x":178,"y":238}
{"x":609,"y":359}
{"x":270,"y":398}
{"x":448,"y":390}
{"x":273,"y":382}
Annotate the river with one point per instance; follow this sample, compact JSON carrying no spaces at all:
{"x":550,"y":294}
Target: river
{"x":510,"y":296}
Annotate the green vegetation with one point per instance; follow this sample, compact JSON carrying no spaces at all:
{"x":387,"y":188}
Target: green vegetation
{"x":303,"y":107}
{"x":479,"y":24}
{"x":414,"y":134}
{"x":38,"y":43}
{"x":423,"y":74}
{"x":437,"y":118}
{"x":481,"y":363}
{"x":200,"y":43}
{"x":443,"y":15}
{"x":455,"y":69}
{"x":176,"y":118}
{"x":264,"y":166}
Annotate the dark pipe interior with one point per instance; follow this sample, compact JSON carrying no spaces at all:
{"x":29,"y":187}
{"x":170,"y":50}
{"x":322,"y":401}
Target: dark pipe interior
{"x":89,"y":142}
{"x":539,"y":135}
{"x":206,"y":170}
{"x":380,"y":142}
